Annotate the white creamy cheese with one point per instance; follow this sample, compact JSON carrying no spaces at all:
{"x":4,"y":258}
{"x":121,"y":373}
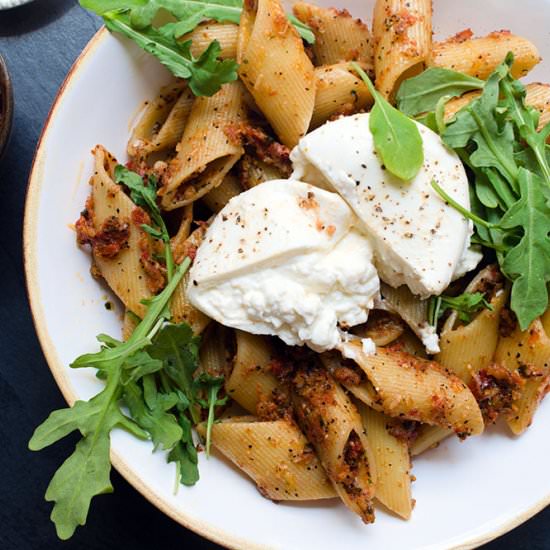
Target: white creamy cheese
{"x":285,"y":258}
{"x":418,"y":239}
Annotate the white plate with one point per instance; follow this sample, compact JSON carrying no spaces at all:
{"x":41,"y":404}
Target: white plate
{"x":7,"y":4}
{"x":466,"y":493}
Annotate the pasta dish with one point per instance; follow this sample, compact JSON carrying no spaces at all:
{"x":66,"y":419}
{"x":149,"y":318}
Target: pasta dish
{"x":331,"y":243}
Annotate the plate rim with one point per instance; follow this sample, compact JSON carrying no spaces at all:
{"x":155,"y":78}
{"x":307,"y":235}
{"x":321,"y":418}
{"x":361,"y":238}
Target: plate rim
{"x":58,"y":369}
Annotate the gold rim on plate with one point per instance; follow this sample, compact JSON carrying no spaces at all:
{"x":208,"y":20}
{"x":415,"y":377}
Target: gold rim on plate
{"x":58,"y":369}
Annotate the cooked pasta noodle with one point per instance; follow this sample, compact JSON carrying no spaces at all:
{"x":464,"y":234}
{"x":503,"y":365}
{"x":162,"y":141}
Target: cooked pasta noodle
{"x":338,"y":36}
{"x":333,"y":426}
{"x":276,"y":69}
{"x":339,"y":91}
{"x":206,"y":152}
{"x":251,"y":380}
{"x":402,"y":31}
{"x":276,"y":455}
{"x":537,"y":96}
{"x":225,"y":33}
{"x":417,"y":389}
{"x":466,"y":349}
{"x":393,"y":464}
{"x":428,"y":438}
{"x":125,"y":272}
{"x":527,"y":354}
{"x":219,"y":196}
{"x":480,"y":56}
{"x":144,"y":138}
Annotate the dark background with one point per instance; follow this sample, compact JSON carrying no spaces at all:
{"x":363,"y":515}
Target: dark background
{"x":39,"y":43}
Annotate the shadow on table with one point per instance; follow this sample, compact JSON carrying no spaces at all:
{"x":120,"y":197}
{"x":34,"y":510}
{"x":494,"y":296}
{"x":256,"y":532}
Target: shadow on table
{"x":30,"y":17}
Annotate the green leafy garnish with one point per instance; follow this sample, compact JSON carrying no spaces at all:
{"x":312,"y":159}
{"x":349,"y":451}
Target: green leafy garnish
{"x":496,"y":137}
{"x":303,"y":30}
{"x":420,"y":94}
{"x":153,"y":375}
{"x":145,"y":196}
{"x":187,"y":14}
{"x":137,"y":20}
{"x":205,"y":75}
{"x":396,"y":137}
{"x":465,"y":305}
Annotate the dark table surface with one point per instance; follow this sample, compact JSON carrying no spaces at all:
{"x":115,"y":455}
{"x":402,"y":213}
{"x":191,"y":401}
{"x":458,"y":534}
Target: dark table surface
{"x":40,"y":42}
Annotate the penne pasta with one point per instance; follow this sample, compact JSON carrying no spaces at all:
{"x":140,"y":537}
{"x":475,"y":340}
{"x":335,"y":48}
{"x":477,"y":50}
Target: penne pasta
{"x":429,"y":438}
{"x":413,"y":310}
{"x":276,"y":69}
{"x":225,"y":33}
{"x":338,"y":36}
{"x":339,"y":92}
{"x":466,"y":349}
{"x":219,"y":196}
{"x":251,"y":381}
{"x":144,"y":138}
{"x":402,"y":32}
{"x":206,"y":153}
{"x":393,"y":463}
{"x":183,"y":311}
{"x":382,"y":328}
{"x":112,"y":212}
{"x":275,"y":454}
{"x":180,"y":307}
{"x":215,"y":350}
{"x":333,"y":426}
{"x":526,"y":354}
{"x":479,"y":57}
{"x":179,"y":242}
{"x":129,"y":323}
{"x":537,"y":96}
{"x":405,"y":386}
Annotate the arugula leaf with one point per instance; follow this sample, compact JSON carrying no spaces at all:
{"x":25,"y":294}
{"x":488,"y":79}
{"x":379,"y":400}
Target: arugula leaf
{"x":527,"y":263}
{"x":184,"y":454}
{"x":145,"y":196}
{"x":420,"y":94}
{"x":496,"y":136}
{"x":188,"y":13}
{"x":465,"y":305}
{"x":303,"y":30}
{"x":211,"y":385}
{"x":135,"y":19}
{"x":396,"y":137}
{"x":205,"y":75}
{"x":152,"y":415}
{"x":86,"y":472}
{"x":178,"y":349}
